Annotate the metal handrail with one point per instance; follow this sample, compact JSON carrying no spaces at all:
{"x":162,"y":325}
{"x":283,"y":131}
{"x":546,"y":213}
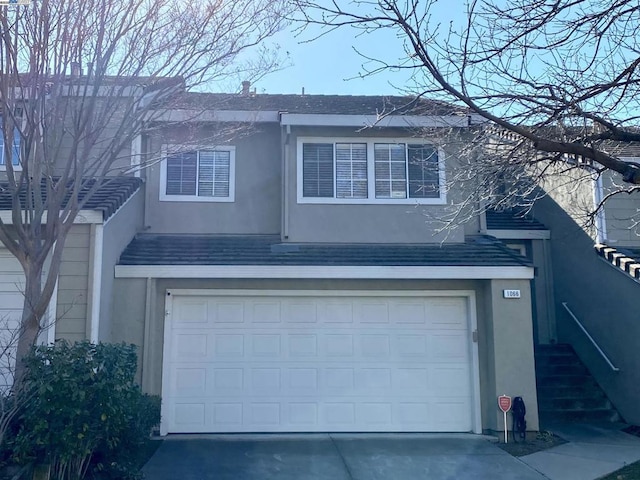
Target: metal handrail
{"x":604,"y":355}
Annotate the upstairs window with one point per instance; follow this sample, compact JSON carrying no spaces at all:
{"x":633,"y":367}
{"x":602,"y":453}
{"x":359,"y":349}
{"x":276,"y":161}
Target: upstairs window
{"x":204,"y":175}
{"x":15,"y":150}
{"x":370,"y":171}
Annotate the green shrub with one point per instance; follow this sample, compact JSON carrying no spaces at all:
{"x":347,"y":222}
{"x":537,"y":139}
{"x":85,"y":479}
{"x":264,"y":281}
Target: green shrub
{"x":86,"y":412}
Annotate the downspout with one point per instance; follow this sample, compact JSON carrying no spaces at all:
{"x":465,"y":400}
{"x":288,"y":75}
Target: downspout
{"x":146,"y":381}
{"x":285,"y":184}
{"x":598,"y":196}
{"x":95,"y":282}
{"x":52,"y":316}
{"x":136,"y":151}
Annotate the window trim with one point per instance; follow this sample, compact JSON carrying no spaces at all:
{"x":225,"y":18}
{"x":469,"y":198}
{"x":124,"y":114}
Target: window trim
{"x":371,"y":200}
{"x":194,"y":198}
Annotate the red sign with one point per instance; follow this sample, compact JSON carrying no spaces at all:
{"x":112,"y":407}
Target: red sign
{"x":504,"y":402}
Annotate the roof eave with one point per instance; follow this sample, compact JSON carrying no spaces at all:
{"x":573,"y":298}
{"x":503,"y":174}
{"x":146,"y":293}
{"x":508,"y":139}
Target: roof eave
{"x":382,"y":272}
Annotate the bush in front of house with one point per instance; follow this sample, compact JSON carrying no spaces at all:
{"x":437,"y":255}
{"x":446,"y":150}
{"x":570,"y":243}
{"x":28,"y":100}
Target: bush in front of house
{"x":85,"y":415}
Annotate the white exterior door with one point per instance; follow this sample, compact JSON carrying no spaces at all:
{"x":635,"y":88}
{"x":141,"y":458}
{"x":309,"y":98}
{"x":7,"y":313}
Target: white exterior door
{"x":332,"y":362}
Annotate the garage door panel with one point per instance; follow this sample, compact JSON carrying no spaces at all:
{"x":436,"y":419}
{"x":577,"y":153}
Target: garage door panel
{"x":447,"y":313}
{"x":278,"y":364}
{"x":302,"y":346}
{"x":336,"y":312}
{"x":408,"y":312}
{"x":448,"y":347}
{"x":191,"y":313}
{"x":264,"y":311}
{"x":300,"y":311}
{"x":372,"y":311}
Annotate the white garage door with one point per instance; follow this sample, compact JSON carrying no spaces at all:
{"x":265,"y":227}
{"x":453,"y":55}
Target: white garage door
{"x":365,"y":362}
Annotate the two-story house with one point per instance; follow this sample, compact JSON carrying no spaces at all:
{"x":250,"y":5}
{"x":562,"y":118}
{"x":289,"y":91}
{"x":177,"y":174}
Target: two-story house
{"x":281,"y":270}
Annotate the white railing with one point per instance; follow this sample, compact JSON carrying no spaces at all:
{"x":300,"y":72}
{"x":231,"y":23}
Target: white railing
{"x":593,"y":342}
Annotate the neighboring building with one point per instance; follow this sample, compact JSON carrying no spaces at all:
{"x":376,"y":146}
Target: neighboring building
{"x":287,"y":274}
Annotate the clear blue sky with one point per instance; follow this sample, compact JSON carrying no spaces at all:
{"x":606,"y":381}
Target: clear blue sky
{"x":329,"y":64}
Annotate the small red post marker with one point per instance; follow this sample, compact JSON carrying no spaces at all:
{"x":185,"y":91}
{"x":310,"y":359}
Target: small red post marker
{"x":504,"y":402}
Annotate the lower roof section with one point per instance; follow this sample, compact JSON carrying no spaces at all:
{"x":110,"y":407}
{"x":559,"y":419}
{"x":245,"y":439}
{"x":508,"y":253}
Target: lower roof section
{"x":187,"y":256}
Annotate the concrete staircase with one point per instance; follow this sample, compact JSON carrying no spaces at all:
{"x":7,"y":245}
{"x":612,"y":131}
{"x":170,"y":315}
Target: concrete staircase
{"x":566,"y":390}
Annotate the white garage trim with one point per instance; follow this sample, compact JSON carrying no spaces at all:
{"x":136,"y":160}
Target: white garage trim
{"x":323,"y":271}
{"x":471,"y":321}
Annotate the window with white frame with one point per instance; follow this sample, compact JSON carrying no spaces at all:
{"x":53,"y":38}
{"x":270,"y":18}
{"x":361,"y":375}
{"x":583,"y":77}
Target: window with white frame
{"x":205,"y":175}
{"x":369,"y":171}
{"x":14,"y":149}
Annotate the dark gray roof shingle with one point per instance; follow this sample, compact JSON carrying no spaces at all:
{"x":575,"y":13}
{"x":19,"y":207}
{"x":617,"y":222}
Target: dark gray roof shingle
{"x":150,"y":249}
{"x":512,"y":220}
{"x":317,"y":104}
{"x":109,"y":197}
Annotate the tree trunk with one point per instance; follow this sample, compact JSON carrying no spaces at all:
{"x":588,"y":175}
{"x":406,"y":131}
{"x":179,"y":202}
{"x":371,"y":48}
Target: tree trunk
{"x":31,"y":315}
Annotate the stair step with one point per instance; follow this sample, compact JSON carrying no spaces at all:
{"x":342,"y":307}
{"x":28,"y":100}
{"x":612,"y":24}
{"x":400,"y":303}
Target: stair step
{"x":552,"y":370}
{"x":566,"y":389}
{"x":555,"y":348}
{"x":579,"y":415}
{"x":546,"y":360}
{"x":573,"y":403}
{"x":573,"y":391}
{"x":567,"y":380}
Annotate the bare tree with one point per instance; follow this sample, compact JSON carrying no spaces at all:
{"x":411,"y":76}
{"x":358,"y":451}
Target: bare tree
{"x":558,"y":80}
{"x":79,"y":80}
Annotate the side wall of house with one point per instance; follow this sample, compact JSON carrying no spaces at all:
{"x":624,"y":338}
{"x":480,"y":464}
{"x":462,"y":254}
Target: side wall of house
{"x":603,"y":298}
{"x":118,"y":232}
{"x":73,"y":281}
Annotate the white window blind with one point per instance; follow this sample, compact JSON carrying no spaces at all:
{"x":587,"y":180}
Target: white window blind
{"x":205,"y":173}
{"x":351,"y":170}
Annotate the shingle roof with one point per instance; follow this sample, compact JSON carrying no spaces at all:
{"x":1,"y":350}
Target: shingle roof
{"x":150,"y":249}
{"x":511,"y":220}
{"x":109,"y":197}
{"x":317,"y":104}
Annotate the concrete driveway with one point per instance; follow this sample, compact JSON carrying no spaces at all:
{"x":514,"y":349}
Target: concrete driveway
{"x":334,"y":457}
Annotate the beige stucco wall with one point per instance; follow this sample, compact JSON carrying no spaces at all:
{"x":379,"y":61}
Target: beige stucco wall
{"x":505,"y":343}
{"x":118,"y":231}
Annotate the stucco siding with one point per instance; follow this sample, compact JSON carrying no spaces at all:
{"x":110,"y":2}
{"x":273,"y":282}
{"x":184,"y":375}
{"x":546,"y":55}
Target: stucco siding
{"x":365,"y":223}
{"x":622,"y":213}
{"x":118,"y":232}
{"x":256,"y":209}
{"x":71,"y":317}
{"x":573,"y":191}
{"x":510,"y":365}
{"x":604,"y":299}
